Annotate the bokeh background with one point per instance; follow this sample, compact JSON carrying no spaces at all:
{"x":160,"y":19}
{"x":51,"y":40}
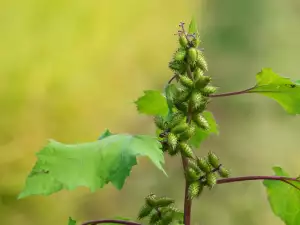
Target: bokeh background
{"x":70,"y":69}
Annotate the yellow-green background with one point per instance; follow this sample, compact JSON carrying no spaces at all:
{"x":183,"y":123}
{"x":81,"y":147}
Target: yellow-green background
{"x":70,"y":69}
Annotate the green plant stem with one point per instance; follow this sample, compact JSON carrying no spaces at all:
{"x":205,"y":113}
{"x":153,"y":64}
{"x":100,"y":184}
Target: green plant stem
{"x":232,"y":93}
{"x":249,"y":178}
{"x":187,"y":200}
{"x":94,"y":222}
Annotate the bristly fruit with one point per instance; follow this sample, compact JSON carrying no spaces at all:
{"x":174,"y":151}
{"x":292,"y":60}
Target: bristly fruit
{"x":223,"y":172}
{"x":172,"y":140}
{"x":213,"y":160}
{"x":151,"y":200}
{"x":203,"y":165}
{"x":192,"y":54}
{"x":201,"y":121}
{"x":208,"y":90}
{"x":198,"y":73}
{"x":182,"y":94}
{"x":145,"y":211}
{"x":186,"y":150}
{"x":183,"y":41}
{"x":180,"y":54}
{"x":159,"y":122}
{"x":211,"y":180}
{"x":192,"y":175}
{"x":180,"y":128}
{"x":178,"y":66}
{"x":165,"y":201}
{"x":182,"y":106}
{"x":195,"y":189}
{"x":201,"y":63}
{"x":196,"y":99}
{"x":202,"y":81}
{"x":188,"y":133}
{"x":176,"y":119}
{"x":185,"y":81}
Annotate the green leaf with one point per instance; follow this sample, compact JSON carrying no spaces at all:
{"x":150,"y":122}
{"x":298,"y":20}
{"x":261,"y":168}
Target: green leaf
{"x":71,"y":221}
{"x":193,"y":27}
{"x":105,"y":134}
{"x":91,"y":164}
{"x":283,"y":198}
{"x":152,"y":103}
{"x":281,"y":89}
{"x":201,"y":135}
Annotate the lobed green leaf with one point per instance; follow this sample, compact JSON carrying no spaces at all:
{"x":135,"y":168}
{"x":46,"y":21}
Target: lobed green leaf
{"x":281,"y":89}
{"x":64,"y":166}
{"x":152,"y":103}
{"x":283,"y":198}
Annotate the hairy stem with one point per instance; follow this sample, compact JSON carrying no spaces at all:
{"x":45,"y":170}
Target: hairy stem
{"x":124,"y":222}
{"x":232,"y":93}
{"x":249,"y":178}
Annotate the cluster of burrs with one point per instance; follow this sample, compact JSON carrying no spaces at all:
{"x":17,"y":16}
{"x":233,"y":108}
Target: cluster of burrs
{"x":202,"y":171}
{"x":188,"y":97}
{"x":160,"y":211}
{"x":187,"y":100}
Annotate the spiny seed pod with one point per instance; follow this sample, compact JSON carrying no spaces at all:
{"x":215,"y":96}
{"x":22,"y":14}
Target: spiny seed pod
{"x":154,"y":218}
{"x":208,"y":90}
{"x":202,"y":81}
{"x":201,"y":121}
{"x":163,"y":202}
{"x":198,"y":73}
{"x":223,"y":172}
{"x":145,"y":211}
{"x":195,"y":189}
{"x":172,"y":140}
{"x":159,"y":122}
{"x":182,"y":94}
{"x":151,"y":200}
{"x":203,"y":165}
{"x":178,"y":66}
{"x":180,"y":54}
{"x":193,"y":164}
{"x":192,"y":175}
{"x":180,"y":128}
{"x":188,"y":133}
{"x":213,"y":160}
{"x":167,"y":218}
{"x":176,"y":119}
{"x":186,"y":150}
{"x":173,"y":152}
{"x":201,"y":107}
{"x":192,"y":54}
{"x":183,"y":41}
{"x":185,"y":81}
{"x":201,"y":63}
{"x":182,"y":106}
{"x":211,"y":180}
{"x":196,"y":99}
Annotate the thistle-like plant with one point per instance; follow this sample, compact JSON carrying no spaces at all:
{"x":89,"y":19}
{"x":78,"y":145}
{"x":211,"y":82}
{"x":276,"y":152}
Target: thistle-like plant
{"x":182,"y":124}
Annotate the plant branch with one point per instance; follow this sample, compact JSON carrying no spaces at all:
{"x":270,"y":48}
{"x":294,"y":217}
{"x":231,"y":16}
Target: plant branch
{"x":232,"y":93}
{"x":172,"y":78}
{"x":124,"y":222}
{"x":249,"y":178}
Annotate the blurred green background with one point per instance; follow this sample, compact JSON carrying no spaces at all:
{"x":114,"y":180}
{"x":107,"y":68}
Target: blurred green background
{"x":70,"y":69}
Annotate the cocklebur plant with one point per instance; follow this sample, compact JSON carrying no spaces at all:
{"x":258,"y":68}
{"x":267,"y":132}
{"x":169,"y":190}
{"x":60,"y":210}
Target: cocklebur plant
{"x":182,"y":124}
